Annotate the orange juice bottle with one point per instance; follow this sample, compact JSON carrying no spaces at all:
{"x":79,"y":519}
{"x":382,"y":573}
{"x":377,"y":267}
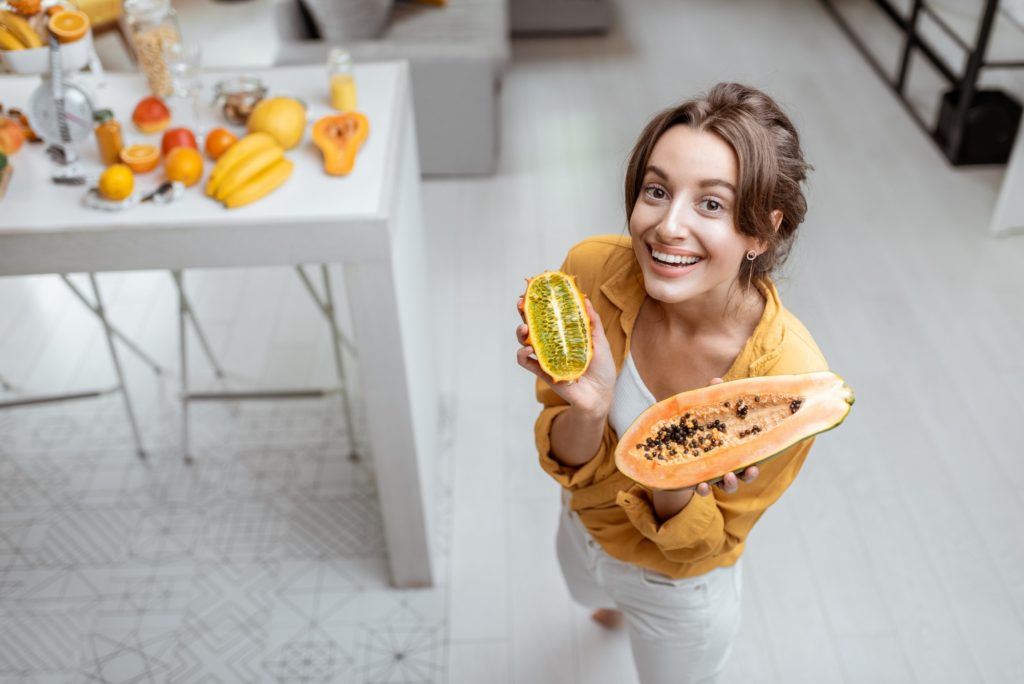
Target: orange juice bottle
{"x":342,"y":81}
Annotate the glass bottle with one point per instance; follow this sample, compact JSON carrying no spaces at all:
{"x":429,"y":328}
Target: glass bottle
{"x":152,"y":26}
{"x":108,"y":136}
{"x":342,"y":81}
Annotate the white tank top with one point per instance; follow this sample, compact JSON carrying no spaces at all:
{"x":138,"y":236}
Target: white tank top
{"x":631,"y":397}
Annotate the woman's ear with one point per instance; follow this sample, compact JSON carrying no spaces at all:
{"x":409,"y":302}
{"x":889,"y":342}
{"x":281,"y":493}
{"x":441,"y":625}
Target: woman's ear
{"x":776,"y":219}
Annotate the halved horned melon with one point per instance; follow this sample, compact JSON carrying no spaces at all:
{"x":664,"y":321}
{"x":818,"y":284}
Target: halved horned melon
{"x":700,"y":435}
{"x":559,"y":327}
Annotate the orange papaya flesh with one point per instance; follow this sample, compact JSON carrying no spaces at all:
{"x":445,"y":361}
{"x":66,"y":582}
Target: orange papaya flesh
{"x":700,"y":435}
{"x":339,"y":137}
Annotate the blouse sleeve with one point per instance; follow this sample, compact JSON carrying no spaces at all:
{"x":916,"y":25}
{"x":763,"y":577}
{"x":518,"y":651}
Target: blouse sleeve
{"x":570,"y":477}
{"x":714,"y":524}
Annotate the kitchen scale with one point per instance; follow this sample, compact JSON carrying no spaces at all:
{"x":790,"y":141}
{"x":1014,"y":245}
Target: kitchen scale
{"x":61,"y":113}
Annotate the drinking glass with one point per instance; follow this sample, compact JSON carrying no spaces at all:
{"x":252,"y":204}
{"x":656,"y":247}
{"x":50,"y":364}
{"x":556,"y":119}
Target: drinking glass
{"x":184,"y":64}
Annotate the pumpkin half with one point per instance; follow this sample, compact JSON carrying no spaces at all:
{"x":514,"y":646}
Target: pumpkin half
{"x":559,"y":327}
{"x":700,"y":435}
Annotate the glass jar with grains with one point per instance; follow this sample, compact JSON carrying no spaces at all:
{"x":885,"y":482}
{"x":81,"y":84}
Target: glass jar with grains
{"x":152,"y":25}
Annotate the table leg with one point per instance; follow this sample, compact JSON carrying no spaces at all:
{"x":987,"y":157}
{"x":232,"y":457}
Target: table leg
{"x":401,"y":415}
{"x":146,"y":358}
{"x":326,"y":307}
{"x":184,"y":301}
{"x":179,"y":280}
{"x":108,"y":333}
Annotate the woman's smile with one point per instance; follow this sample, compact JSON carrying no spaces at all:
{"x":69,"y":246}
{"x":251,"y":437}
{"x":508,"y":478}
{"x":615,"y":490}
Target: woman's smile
{"x":673,"y":264}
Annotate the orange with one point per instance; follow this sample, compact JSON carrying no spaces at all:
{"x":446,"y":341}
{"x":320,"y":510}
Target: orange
{"x":25,"y":7}
{"x":117,"y":182}
{"x":69,"y":25}
{"x":184,"y":164}
{"x":218,"y":141}
{"x":141,"y":158}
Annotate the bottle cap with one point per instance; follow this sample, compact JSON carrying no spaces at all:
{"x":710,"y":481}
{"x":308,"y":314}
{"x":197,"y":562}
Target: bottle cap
{"x":103,"y":115}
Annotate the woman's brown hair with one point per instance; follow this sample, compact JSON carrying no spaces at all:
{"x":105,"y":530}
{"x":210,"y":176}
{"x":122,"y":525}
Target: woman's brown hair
{"x":771,"y":164}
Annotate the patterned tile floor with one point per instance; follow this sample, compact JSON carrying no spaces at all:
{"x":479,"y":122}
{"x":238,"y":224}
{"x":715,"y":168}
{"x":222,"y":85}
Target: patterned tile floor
{"x":262,"y":562}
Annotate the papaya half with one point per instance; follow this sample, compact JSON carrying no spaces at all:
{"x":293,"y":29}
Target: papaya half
{"x":559,"y":327}
{"x":700,"y":435}
{"x":339,"y":137}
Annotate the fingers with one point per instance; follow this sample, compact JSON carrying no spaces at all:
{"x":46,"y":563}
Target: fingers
{"x":750,"y":474}
{"x":522,"y":334}
{"x":523,"y":358}
{"x":715,"y":381}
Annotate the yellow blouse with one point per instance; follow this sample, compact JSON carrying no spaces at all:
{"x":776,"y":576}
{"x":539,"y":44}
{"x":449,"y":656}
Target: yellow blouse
{"x":710,"y":531}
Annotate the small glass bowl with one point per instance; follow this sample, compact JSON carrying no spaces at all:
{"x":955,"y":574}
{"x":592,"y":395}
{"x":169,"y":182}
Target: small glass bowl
{"x":236,"y":97}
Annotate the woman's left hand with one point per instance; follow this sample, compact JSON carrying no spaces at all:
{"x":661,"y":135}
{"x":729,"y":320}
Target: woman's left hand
{"x":669,"y":502}
{"x":730,"y":482}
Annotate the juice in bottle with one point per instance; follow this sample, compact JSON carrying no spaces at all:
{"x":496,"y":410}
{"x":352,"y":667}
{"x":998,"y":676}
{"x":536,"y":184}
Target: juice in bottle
{"x":342,"y":82}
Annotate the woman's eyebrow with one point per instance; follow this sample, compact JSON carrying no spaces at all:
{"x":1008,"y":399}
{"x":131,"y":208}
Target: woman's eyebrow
{"x":709,"y":182}
{"x":656,"y":171}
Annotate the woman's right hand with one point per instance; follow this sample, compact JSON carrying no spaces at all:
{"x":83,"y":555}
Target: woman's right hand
{"x":594,"y":390}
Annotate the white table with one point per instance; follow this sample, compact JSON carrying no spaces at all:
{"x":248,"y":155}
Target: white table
{"x":370,"y":222}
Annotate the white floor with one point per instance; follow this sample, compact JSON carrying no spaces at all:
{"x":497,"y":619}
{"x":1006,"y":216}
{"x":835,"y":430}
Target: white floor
{"x":896,"y":556}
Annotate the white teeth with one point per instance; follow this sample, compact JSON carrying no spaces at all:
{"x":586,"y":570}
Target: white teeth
{"x":674,"y":258}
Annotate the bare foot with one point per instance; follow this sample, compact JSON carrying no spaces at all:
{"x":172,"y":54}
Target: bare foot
{"x":609,"y":618}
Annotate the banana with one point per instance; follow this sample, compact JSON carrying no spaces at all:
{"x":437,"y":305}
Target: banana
{"x":247,"y":169}
{"x":21,"y":29}
{"x":265,"y":182}
{"x":9,"y":41}
{"x":250,"y":144}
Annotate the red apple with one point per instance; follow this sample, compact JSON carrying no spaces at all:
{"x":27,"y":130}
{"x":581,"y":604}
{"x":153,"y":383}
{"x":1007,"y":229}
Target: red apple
{"x":151,"y":115}
{"x":177,"y":137}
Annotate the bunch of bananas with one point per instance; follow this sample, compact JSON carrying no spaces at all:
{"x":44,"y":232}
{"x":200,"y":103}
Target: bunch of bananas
{"x":252,"y":168}
{"x":16,"y":33}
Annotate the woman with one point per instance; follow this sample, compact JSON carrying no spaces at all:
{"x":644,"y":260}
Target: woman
{"x":713,"y":200}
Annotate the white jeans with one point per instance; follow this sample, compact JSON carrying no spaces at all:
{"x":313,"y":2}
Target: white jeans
{"x":681,"y":631}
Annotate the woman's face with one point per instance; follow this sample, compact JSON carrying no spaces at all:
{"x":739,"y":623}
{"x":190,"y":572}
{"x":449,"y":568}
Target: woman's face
{"x":683,"y":224}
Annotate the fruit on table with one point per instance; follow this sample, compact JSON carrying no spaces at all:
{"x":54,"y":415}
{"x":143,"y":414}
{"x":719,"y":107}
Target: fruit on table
{"x":700,"y":435}
{"x":21,"y":118}
{"x":117,"y":182}
{"x":151,"y":115}
{"x":559,"y":326}
{"x":16,"y":33}
{"x":177,"y":137}
{"x":262,"y":184}
{"x":247,"y":169}
{"x":184,"y":164}
{"x":251,"y":168}
{"x":249,"y":145}
{"x":141,"y":158}
{"x":339,"y":137}
{"x":68,"y":25}
{"x":25,"y":7}
{"x":218,"y":141}
{"x":282,"y":117}
{"x":11,"y":135}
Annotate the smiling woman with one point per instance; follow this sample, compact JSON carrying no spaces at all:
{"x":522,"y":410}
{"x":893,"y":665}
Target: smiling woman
{"x":713,"y":200}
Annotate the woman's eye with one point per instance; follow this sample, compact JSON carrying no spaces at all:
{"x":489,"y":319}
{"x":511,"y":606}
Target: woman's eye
{"x":655,"y":192}
{"x":712,"y":205}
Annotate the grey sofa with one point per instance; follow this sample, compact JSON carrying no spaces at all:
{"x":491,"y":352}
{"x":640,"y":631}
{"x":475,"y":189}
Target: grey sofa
{"x":457,"y":55}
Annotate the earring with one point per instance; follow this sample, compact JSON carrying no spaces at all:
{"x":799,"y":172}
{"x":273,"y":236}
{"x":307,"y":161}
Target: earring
{"x":751,"y":255}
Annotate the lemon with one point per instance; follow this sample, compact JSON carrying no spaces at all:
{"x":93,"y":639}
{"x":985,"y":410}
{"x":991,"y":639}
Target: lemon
{"x":117,"y":182}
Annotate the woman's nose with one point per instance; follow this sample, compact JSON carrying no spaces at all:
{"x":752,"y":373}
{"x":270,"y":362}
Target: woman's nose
{"x":677,"y":222}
